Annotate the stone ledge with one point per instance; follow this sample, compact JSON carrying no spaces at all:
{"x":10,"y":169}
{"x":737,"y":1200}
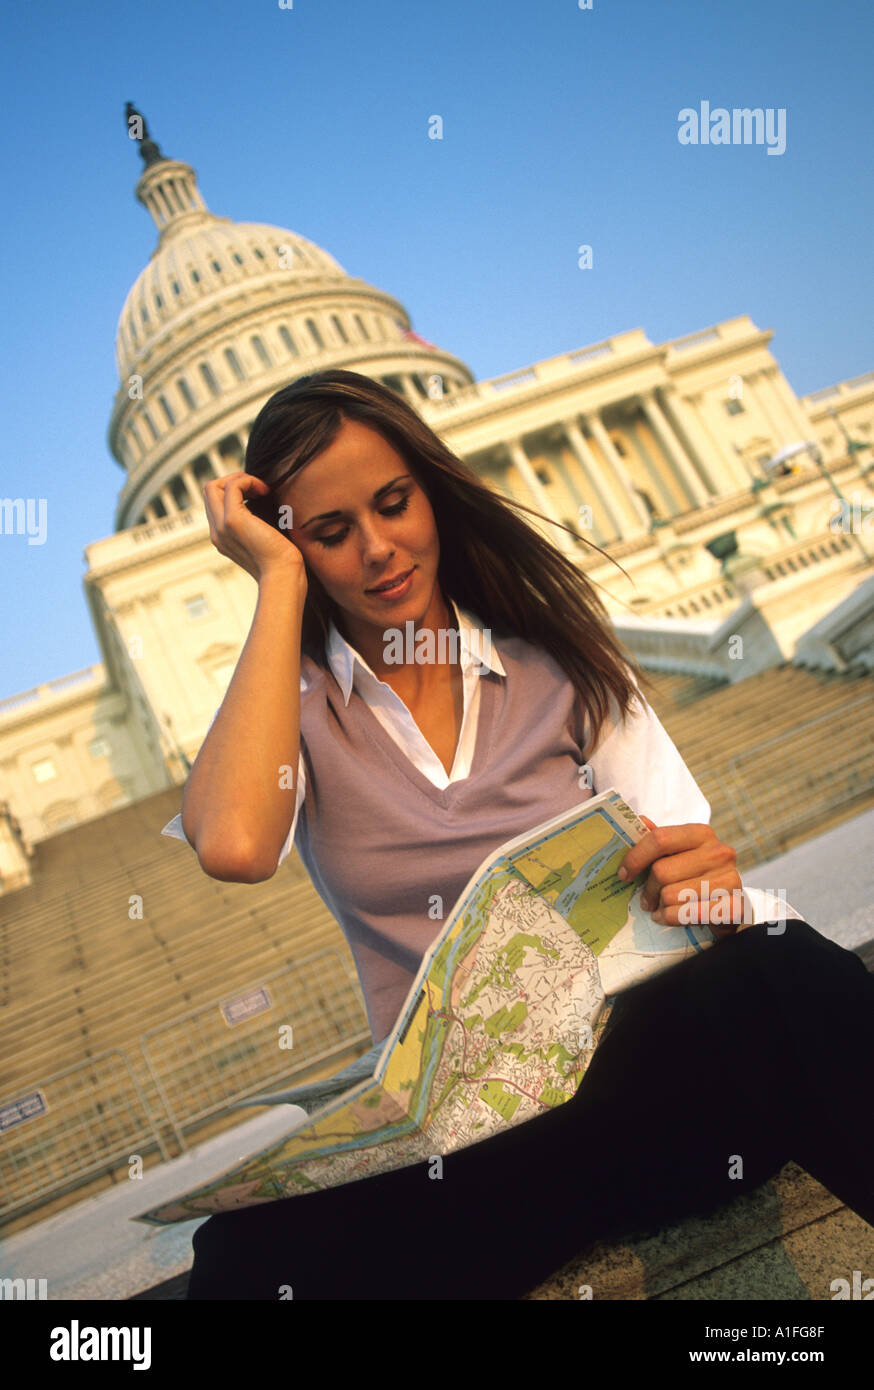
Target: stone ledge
{"x":787,"y":1240}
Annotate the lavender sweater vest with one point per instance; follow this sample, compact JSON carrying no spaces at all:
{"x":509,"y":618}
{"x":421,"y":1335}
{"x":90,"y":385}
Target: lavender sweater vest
{"x":379,"y":840}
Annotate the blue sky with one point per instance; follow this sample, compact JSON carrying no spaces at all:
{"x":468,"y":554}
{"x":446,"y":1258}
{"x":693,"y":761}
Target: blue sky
{"x":560,"y":128}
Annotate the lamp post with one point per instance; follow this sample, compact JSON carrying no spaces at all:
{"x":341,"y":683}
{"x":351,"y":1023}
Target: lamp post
{"x":853,"y":445}
{"x":845,"y":505}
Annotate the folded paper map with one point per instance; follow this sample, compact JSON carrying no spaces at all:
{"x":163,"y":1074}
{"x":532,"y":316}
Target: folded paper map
{"x":500,"y":1022}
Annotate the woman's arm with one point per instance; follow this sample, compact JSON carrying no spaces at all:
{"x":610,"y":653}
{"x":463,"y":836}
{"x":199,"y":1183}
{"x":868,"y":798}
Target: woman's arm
{"x":238,"y":802}
{"x":237,"y":806}
{"x":642,"y":762}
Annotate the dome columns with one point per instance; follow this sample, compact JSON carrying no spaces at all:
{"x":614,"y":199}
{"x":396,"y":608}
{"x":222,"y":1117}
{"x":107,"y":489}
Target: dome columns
{"x":169,"y":190}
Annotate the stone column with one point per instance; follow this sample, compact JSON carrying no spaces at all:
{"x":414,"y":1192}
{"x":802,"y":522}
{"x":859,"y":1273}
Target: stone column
{"x":192,"y":487}
{"x":558,"y":437}
{"x":149,"y":513}
{"x":539,"y":494}
{"x":165,"y":680}
{"x":673,"y":450}
{"x":713,"y":446}
{"x":166,"y":496}
{"x":723,"y":475}
{"x":218,"y":461}
{"x":656,"y":477}
{"x":589,"y":466}
{"x":765,"y":403}
{"x":226,"y":576}
{"x":625,"y":488}
{"x":787,"y":403}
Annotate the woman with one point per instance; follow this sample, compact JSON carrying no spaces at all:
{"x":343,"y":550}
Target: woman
{"x":408,"y":775}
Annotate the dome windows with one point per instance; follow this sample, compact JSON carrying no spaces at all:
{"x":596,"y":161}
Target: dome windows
{"x":238,"y":258}
{"x":315,"y":334}
{"x":261,"y":351}
{"x":216,"y":267}
{"x":207,"y":373}
{"x":362,"y":330}
{"x":234,"y":364}
{"x":288,"y":340}
{"x":185,"y":392}
{"x":167,"y":409}
{"x":256,"y":251}
{"x":195,"y":277}
{"x":339,"y":329}
{"x":176,"y":289}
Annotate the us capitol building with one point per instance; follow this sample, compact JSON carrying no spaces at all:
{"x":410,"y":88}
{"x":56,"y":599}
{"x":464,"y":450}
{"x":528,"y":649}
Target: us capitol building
{"x":691,"y":462}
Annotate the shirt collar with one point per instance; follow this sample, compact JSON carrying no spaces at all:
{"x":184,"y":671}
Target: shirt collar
{"x":348,"y":665}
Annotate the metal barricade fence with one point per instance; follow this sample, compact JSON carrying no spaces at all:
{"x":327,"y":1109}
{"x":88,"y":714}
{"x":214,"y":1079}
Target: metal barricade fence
{"x":91,"y":1117}
{"x":285,"y":1022}
{"x":72,"y":1125}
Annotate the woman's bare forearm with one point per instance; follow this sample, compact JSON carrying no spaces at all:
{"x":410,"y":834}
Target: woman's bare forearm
{"x":238,"y":802}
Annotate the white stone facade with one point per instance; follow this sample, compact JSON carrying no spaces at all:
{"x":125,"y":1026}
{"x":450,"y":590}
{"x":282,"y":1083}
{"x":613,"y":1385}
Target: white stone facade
{"x":662,"y":447}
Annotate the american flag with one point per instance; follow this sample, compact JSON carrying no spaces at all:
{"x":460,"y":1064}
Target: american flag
{"x":417,"y":338}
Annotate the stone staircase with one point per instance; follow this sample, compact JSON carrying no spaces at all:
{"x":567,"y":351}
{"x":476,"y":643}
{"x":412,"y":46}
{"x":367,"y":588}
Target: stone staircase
{"x":80,"y":976}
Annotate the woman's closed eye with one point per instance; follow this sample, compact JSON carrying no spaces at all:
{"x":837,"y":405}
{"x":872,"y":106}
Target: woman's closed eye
{"x":338,"y":536}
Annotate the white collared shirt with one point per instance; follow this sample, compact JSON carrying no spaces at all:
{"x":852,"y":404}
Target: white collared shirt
{"x":640,"y":760}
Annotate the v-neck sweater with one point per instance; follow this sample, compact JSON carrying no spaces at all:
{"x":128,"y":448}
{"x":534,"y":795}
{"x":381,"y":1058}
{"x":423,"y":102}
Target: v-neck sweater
{"x":388,"y":852}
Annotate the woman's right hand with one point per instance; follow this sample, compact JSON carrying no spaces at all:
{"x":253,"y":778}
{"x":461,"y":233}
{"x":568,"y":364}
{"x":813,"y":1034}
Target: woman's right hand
{"x":253,"y":544}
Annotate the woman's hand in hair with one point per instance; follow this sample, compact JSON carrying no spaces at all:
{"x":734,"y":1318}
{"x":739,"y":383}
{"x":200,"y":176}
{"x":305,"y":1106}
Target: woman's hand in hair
{"x":689,"y":860}
{"x":239,"y":532}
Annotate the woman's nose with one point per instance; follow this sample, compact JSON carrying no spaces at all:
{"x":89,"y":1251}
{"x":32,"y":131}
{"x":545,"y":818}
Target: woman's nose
{"x":376,"y":549}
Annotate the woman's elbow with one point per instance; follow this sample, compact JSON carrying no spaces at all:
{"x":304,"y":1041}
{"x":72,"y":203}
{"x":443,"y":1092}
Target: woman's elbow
{"x":237,"y":864}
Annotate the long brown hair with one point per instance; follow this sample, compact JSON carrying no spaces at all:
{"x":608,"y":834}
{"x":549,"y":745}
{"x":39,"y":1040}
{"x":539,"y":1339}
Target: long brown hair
{"x":492,"y":561}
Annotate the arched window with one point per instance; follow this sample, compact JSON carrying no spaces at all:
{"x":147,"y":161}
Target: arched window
{"x":233,"y":363}
{"x":261,"y":351}
{"x":207,"y":373}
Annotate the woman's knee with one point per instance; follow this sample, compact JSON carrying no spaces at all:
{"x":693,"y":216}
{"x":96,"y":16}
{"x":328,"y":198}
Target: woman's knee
{"x":794,"y":943}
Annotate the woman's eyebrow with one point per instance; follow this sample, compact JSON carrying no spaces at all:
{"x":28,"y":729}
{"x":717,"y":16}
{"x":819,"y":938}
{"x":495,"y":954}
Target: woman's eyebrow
{"x":386,"y":487}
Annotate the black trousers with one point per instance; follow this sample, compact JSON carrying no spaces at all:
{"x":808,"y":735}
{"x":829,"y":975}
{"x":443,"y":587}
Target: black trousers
{"x":761,"y":1049}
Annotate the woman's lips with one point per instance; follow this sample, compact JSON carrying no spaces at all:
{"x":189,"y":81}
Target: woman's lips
{"x":396,"y":592}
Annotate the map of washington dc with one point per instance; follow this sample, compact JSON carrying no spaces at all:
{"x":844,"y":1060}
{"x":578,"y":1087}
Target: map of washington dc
{"x":500,"y":1023}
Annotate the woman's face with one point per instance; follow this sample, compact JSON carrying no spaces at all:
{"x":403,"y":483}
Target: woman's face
{"x":382,"y":526}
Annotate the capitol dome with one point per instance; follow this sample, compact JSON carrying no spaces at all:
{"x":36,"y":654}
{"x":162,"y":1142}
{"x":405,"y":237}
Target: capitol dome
{"x":208,"y":260}
{"x":225,"y":314}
